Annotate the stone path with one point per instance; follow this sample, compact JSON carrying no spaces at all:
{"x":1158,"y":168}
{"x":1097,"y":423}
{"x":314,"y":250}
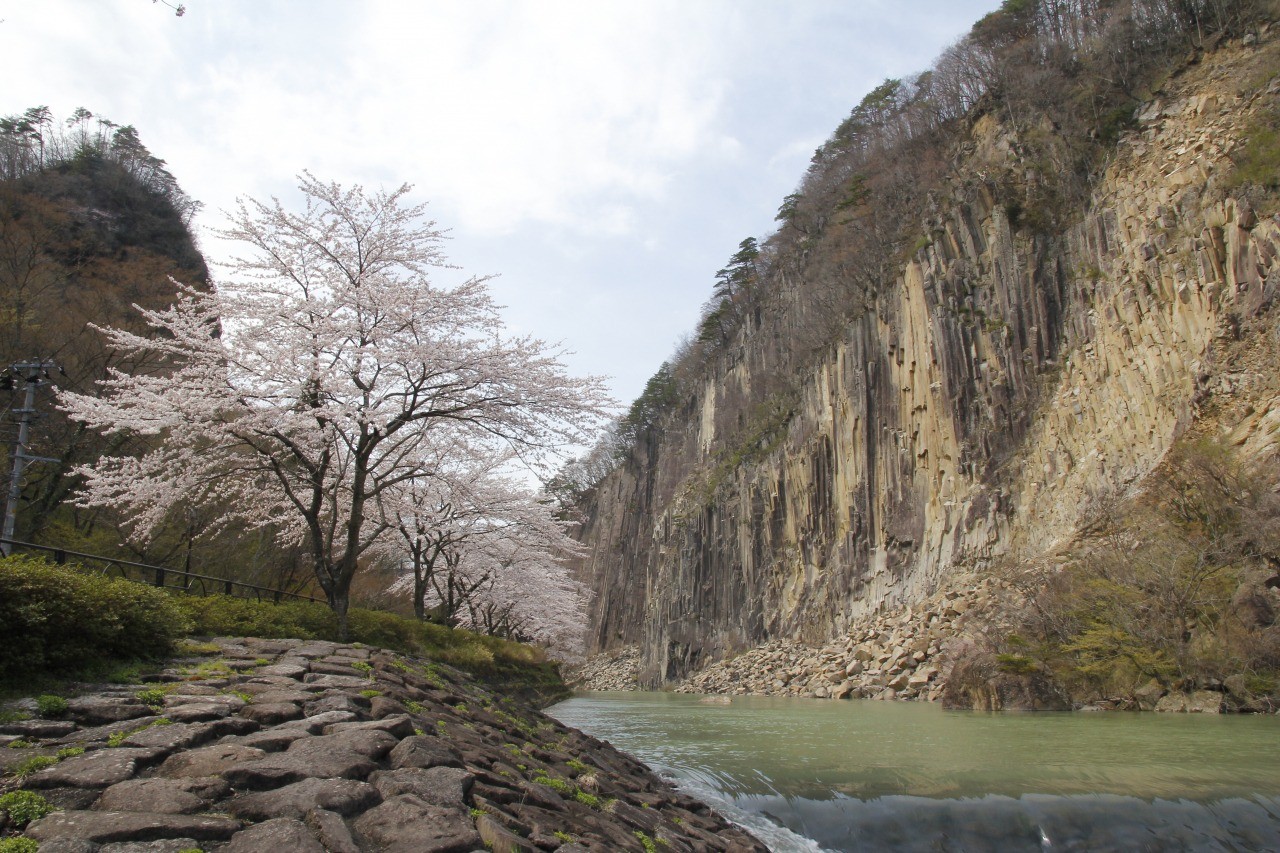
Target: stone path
{"x":313,"y":746}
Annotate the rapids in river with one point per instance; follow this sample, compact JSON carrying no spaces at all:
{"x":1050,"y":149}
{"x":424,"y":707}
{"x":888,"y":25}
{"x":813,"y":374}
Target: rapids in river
{"x":810,"y":775}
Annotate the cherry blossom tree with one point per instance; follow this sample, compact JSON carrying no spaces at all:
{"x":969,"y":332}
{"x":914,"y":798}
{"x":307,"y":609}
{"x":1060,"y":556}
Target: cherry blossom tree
{"x":305,"y":386}
{"x":481,"y":550}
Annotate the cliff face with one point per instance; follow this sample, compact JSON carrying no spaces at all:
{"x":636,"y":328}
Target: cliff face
{"x":1001,"y":383}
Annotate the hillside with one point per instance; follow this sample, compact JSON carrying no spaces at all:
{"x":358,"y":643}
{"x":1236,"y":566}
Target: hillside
{"x":1022,"y":337}
{"x":92,"y":227}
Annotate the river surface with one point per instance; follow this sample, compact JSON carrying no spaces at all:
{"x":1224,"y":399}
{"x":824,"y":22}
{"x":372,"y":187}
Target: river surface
{"x":808,"y":775}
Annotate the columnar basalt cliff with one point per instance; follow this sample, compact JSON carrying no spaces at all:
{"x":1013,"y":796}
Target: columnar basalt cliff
{"x":1002,"y":380}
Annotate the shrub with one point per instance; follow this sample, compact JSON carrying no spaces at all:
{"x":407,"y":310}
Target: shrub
{"x":19,"y":845}
{"x":219,"y":615}
{"x":51,"y":706}
{"x":24,"y":807}
{"x":1258,"y":161}
{"x":34,"y":764}
{"x":58,"y":619}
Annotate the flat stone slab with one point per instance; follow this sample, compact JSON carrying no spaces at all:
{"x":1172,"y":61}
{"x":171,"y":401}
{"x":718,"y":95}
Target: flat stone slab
{"x":168,"y":845}
{"x":281,"y":835}
{"x":331,"y":701}
{"x":98,"y":769}
{"x":332,"y":831}
{"x":311,"y":758}
{"x":440,"y":786}
{"x":275,"y":739}
{"x":401,"y":726}
{"x":371,"y":743}
{"x":210,"y":760}
{"x":406,"y":824}
{"x":172,"y":737}
{"x":284,"y":670}
{"x":316,"y":723}
{"x":272,"y":713}
{"x":38,"y":728}
{"x":277,"y":696}
{"x":340,"y":682}
{"x":498,"y":838}
{"x":163,"y":796}
{"x":338,"y":667}
{"x":342,"y":796}
{"x":198,"y":712}
{"x":424,"y":751}
{"x":98,"y":710}
{"x":104,"y":826}
{"x":102,"y":733}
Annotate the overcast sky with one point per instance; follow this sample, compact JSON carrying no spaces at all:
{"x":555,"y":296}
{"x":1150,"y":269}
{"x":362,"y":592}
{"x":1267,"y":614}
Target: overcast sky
{"x":604,"y":157}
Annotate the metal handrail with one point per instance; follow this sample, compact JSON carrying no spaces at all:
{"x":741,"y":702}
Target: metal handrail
{"x":161,"y":574}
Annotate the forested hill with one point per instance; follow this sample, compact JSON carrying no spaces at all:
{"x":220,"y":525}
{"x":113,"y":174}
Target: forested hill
{"x":1003,"y":291}
{"x":91,"y":224}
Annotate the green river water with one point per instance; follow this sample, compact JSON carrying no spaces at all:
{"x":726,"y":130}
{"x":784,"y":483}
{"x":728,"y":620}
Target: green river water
{"x":808,"y":775}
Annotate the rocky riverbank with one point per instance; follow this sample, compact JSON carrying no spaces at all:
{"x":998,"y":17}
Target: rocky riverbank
{"x":308,"y":746}
{"x":617,"y":669}
{"x":928,"y":653}
{"x":902,"y":655}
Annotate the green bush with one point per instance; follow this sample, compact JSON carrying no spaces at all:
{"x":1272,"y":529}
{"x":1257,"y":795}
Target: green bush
{"x":224,"y":615}
{"x":59,"y":619}
{"x":51,"y":706}
{"x":34,"y":764}
{"x":24,"y":807}
{"x":19,"y":845}
{"x":219,"y":615}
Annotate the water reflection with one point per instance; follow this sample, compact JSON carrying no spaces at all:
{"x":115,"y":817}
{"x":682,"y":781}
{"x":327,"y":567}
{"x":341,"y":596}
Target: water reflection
{"x":901,"y":776}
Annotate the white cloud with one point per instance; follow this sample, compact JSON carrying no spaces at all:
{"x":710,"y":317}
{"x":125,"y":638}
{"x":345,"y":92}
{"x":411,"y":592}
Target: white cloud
{"x":552,"y":112}
{"x":606,"y":157}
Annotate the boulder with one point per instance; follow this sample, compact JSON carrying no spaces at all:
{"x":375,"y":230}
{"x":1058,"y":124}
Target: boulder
{"x":105,"y":826}
{"x":311,"y":758}
{"x":272,"y":713}
{"x":280,"y":834}
{"x":1148,"y":695}
{"x":98,"y":769}
{"x":332,"y":831}
{"x":209,"y":760}
{"x":406,"y":823}
{"x":499,"y":839}
{"x":163,"y":796}
{"x":424,"y":751}
{"x":342,"y":796}
{"x":441,"y":786}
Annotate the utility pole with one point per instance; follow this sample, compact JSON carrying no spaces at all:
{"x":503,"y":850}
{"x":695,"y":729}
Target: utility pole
{"x":35,"y":374}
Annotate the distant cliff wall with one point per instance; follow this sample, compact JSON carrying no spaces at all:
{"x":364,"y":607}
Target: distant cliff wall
{"x":999,"y":386}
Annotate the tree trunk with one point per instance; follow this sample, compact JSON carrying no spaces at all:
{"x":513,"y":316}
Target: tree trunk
{"x":340,"y":600}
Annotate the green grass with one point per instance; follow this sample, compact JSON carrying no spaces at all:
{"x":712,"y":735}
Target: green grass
{"x":1258,"y":162}
{"x":34,"y":764}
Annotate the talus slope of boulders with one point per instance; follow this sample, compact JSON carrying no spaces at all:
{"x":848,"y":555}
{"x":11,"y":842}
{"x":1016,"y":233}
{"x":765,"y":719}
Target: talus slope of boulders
{"x":291,"y":745}
{"x":903,"y":654}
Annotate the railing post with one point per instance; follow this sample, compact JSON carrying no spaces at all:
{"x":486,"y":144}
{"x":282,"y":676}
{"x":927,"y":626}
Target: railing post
{"x":159,"y":576}
{"x":60,"y":556}
{"x":227,"y":590}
